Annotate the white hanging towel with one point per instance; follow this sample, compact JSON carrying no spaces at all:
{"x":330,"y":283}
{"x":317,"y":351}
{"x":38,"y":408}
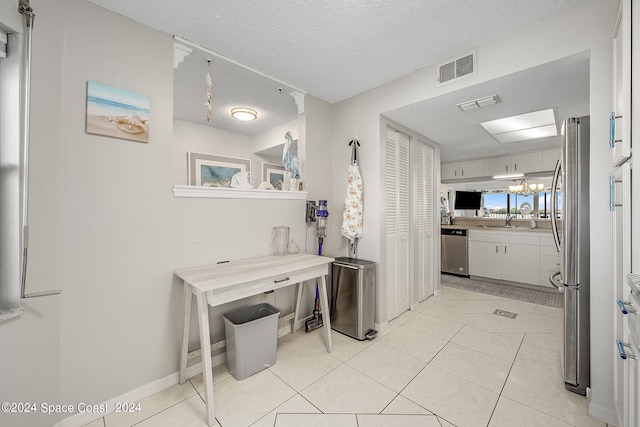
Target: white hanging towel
{"x":352,"y":213}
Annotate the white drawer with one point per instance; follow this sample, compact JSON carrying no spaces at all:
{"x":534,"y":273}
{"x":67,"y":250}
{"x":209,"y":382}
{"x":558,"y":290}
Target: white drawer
{"x":549,"y":262}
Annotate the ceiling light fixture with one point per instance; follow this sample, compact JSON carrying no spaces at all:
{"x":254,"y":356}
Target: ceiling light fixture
{"x":508,"y":176}
{"x":537,"y":124}
{"x":244,"y":114}
{"x":525,"y":188}
{"x":478,"y":103}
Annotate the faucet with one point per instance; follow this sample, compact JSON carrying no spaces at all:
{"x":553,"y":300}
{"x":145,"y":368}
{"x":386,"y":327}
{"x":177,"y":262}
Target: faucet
{"x":507,"y":222}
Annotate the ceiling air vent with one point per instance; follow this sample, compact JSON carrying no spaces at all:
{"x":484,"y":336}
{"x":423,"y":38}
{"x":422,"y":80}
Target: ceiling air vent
{"x":459,"y":67}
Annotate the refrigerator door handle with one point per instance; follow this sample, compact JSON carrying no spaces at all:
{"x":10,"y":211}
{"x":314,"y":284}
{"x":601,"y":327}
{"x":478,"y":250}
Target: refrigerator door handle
{"x":554,"y":205}
{"x":558,"y":284}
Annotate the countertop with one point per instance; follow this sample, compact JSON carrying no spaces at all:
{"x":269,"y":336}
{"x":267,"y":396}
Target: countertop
{"x":498,"y":228}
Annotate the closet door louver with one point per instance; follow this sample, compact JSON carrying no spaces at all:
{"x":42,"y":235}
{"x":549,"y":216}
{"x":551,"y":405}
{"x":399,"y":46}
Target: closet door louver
{"x":423,"y":201}
{"x":396,"y":185}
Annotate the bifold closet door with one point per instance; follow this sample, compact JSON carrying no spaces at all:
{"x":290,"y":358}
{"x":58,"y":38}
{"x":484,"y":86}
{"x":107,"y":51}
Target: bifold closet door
{"x":422,"y":209}
{"x":396,"y":228}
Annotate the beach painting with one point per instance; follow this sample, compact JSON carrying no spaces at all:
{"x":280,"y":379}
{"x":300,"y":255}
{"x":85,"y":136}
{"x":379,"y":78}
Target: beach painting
{"x":208,"y":170}
{"x":117,"y":113}
{"x":273,"y":173}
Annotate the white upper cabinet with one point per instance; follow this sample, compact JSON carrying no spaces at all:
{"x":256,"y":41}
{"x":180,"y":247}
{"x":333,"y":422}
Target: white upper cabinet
{"x":527,"y":162}
{"x":550,"y":158}
{"x":620,"y":120}
{"x":450,"y":170}
{"x":534,"y":161}
{"x":463,"y":169}
{"x":497,"y":165}
{"x":471,"y":168}
{"x":518,"y":163}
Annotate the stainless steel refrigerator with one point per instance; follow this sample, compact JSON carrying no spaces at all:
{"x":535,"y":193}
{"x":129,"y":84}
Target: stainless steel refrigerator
{"x":570,"y":225}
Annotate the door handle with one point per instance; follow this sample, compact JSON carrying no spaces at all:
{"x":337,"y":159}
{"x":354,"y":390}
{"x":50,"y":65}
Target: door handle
{"x":554,"y":282}
{"x":623,"y":307}
{"x":621,"y":350}
{"x":612,"y":130}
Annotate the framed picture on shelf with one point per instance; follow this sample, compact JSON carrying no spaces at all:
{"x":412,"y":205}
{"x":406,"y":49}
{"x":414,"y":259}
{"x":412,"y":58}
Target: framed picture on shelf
{"x":273,"y":173}
{"x":208,"y":170}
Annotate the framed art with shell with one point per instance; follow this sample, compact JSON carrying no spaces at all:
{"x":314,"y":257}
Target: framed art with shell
{"x":117,"y":113}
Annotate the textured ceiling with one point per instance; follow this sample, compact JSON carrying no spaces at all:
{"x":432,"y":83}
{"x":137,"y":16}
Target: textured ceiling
{"x":335,"y":49}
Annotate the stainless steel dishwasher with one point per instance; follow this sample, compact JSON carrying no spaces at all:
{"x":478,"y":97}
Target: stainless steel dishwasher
{"x":454,"y":253}
{"x":353,"y":297}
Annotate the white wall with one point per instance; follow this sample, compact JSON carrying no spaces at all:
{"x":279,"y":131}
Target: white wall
{"x":105,"y":227}
{"x":589,"y":27}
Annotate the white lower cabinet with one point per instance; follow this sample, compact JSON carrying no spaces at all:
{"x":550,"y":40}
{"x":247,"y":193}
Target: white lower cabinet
{"x":549,"y":260}
{"x":520,"y":263}
{"x":485,"y":259}
{"x":506,"y":255}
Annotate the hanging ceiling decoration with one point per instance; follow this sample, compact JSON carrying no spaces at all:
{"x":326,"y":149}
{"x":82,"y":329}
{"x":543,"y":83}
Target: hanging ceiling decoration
{"x":526,"y":189}
{"x":207,"y":89}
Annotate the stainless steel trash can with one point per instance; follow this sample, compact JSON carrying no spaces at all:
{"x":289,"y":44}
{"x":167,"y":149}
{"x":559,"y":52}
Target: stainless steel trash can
{"x":353,"y":297}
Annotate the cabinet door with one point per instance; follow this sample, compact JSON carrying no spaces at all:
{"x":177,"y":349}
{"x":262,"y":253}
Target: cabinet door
{"x":485,"y":259}
{"x":620,"y":134}
{"x":521,"y":263}
{"x":471,"y":168}
{"x":497,"y":165}
{"x":620,"y":205}
{"x":450,"y":170}
{"x":632,"y":385}
{"x":527,"y":162}
{"x":550,"y":159}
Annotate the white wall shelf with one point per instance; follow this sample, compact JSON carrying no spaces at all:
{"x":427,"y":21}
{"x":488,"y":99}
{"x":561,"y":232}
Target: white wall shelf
{"x":191,"y":191}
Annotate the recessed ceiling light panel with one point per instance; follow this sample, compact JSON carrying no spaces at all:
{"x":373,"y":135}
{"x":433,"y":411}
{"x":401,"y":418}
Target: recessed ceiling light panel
{"x":537,"y":124}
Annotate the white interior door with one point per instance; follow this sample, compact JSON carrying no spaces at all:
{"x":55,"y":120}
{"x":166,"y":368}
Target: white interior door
{"x":422,"y":203}
{"x":396,"y":199}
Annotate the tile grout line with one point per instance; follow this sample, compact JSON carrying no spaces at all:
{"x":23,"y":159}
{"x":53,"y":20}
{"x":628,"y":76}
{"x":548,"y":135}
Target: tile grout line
{"x":506,"y":379}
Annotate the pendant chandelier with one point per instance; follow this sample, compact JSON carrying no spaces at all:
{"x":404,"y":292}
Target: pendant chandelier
{"x":526,"y":189}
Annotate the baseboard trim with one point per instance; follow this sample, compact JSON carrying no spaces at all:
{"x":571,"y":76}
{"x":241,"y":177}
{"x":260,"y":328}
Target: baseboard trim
{"x":79,"y":420}
{"x":135,"y":395}
{"x":603,"y":413}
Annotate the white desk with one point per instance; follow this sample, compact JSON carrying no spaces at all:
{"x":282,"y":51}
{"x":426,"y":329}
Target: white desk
{"x":221,"y":283}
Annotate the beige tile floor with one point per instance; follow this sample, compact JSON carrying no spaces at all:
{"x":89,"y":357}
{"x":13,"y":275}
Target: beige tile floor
{"x":450,"y":363}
